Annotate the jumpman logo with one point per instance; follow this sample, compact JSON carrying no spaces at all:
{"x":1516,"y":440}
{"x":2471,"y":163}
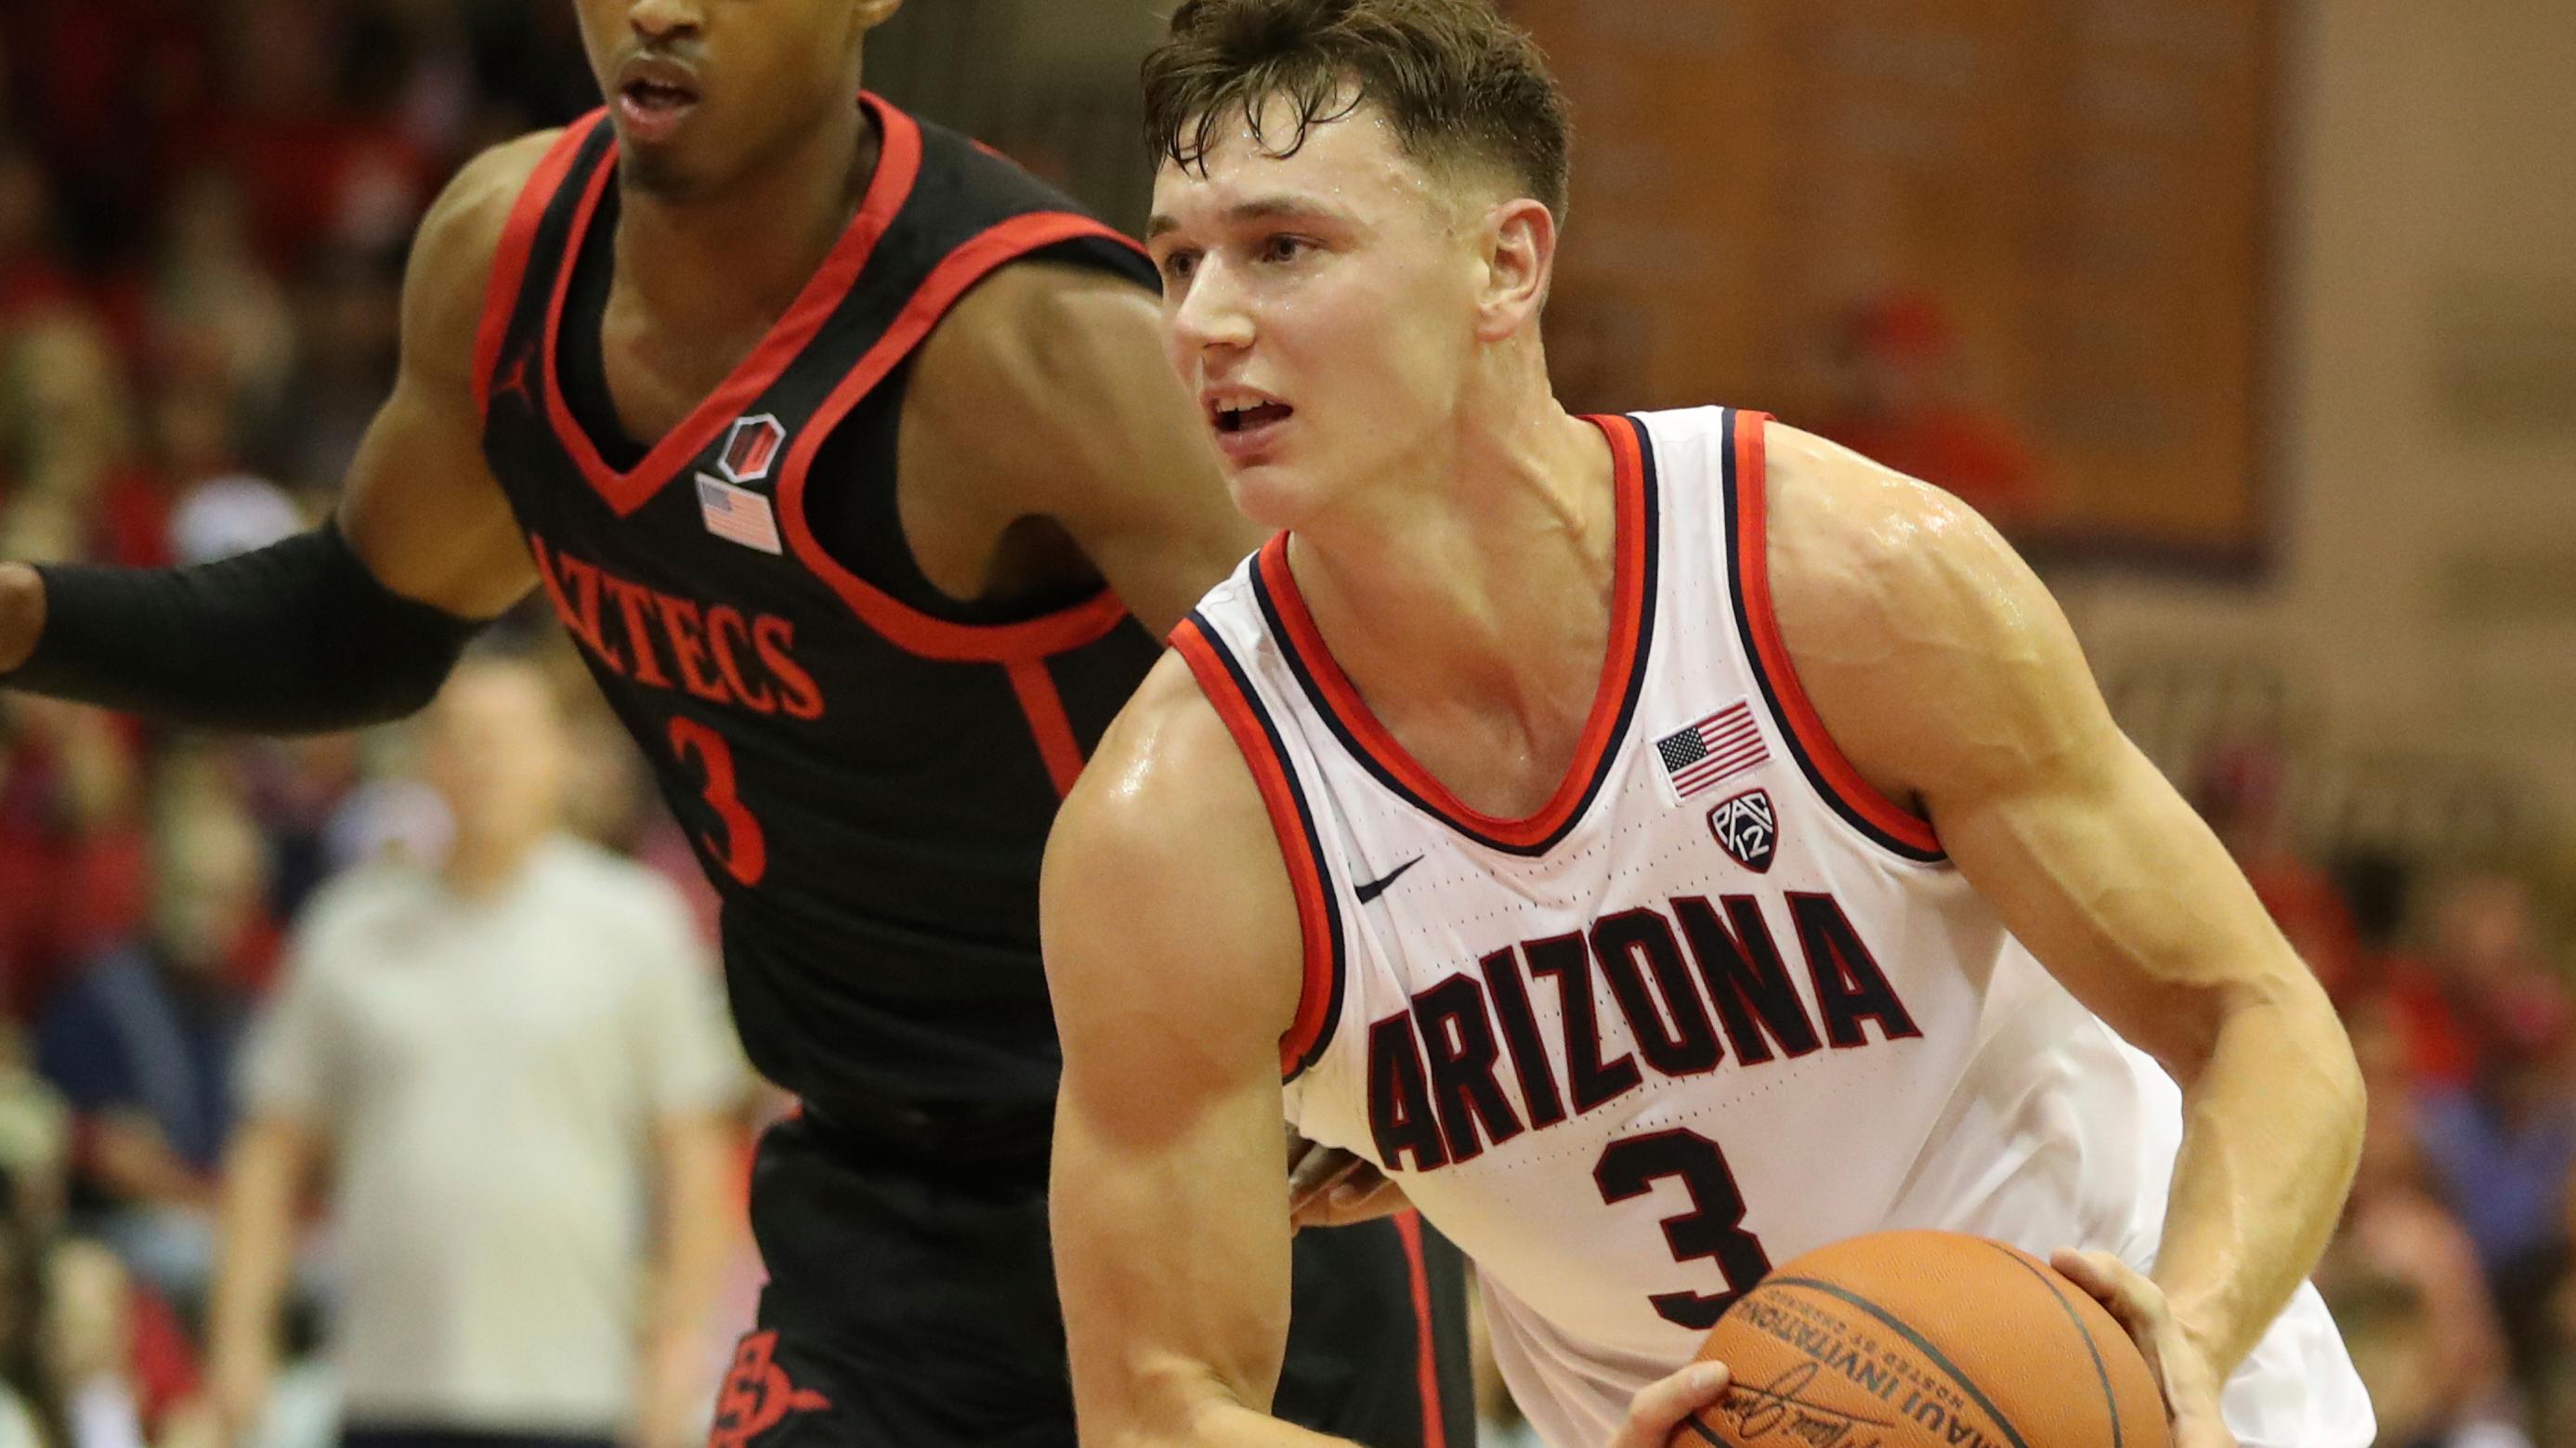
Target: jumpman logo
{"x":515,"y":379}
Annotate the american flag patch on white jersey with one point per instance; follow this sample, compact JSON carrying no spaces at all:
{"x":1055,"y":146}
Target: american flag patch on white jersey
{"x":1721,"y":746}
{"x":738,"y":515}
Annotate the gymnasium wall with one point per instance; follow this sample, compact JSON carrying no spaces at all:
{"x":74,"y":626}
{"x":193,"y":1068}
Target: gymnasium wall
{"x":2420,"y":602}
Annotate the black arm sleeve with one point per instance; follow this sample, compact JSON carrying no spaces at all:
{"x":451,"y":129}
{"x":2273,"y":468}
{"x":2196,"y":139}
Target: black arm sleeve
{"x":297,"y":637}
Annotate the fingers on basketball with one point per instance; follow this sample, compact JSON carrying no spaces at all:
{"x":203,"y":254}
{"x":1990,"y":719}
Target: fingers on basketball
{"x":1929,"y":1340}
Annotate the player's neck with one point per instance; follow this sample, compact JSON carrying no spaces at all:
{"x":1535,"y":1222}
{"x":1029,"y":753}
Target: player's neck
{"x":712,"y":262}
{"x":1485,"y":589}
{"x":481,"y":864}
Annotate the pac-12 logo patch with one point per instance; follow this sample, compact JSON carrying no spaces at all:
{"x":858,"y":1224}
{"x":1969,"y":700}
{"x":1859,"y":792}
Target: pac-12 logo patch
{"x":1747,"y":829}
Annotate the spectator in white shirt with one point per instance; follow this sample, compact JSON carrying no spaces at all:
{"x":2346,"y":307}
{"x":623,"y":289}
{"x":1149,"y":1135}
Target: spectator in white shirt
{"x":514,"y":1066}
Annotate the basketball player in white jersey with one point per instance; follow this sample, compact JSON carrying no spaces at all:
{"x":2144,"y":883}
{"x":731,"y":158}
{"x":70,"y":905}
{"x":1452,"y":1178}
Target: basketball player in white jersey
{"x":1660,"y":845}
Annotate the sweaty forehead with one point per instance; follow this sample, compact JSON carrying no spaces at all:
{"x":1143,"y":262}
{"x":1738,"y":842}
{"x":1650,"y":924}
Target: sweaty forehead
{"x":1354,"y":164}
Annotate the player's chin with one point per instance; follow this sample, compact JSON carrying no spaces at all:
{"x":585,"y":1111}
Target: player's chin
{"x":1274,"y":495}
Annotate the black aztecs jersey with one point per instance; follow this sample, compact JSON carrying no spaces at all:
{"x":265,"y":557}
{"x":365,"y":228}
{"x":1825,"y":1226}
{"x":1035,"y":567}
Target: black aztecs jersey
{"x":867,"y":778}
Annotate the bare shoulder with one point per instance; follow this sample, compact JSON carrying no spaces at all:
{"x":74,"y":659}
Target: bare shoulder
{"x":1040,"y":318}
{"x":1925,"y":642}
{"x":1041,"y":348}
{"x":1046,"y":393}
{"x":1164,"y":883}
{"x":1858,"y":546}
{"x":453,"y":251}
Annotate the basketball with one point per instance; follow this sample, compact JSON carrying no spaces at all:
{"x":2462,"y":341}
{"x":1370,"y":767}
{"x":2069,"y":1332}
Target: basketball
{"x":1915,"y":1339}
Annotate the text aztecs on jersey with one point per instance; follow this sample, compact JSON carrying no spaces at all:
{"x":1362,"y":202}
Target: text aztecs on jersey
{"x":717,"y":652}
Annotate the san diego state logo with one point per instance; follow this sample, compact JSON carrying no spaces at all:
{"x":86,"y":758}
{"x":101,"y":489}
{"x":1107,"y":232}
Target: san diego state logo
{"x":750,"y":449}
{"x":757,"y":1395}
{"x":1747,"y":829}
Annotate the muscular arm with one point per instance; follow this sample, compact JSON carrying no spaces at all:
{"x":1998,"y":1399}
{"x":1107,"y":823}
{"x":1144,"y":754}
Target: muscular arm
{"x":1045,"y":394}
{"x":353,"y":623}
{"x":422,"y":509}
{"x":1944,"y":670}
{"x":1173,"y":957}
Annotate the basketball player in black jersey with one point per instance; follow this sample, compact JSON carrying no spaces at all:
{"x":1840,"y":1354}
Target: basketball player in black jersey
{"x":845,"y":452}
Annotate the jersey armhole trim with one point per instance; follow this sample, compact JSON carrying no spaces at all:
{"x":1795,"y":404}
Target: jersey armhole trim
{"x":900,"y":624}
{"x":1319,"y":999}
{"x":1888,"y":824}
{"x":510,"y":259}
{"x":1043,"y":703}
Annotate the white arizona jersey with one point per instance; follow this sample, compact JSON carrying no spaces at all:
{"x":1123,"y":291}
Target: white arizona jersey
{"x":1718,"y":1002}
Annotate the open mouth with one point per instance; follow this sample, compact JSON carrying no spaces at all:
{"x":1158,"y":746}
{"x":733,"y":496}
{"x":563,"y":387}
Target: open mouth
{"x":655,"y":97}
{"x":1233,"y":420}
{"x":654,"y":94}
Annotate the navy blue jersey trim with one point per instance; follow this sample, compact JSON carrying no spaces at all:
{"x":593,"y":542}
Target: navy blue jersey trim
{"x":1816,"y":777}
{"x":1306,"y":824}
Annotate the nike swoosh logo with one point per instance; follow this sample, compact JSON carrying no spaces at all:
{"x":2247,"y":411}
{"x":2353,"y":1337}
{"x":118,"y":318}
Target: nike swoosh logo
{"x":1377,"y":887}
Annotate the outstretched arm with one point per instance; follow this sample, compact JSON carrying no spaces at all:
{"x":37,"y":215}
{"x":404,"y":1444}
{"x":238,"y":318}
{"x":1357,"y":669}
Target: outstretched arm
{"x":1945,"y":671}
{"x":359,"y":620}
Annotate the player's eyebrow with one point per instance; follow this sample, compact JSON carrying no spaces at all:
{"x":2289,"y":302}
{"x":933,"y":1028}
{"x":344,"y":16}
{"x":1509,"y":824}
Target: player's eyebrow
{"x":1257,"y":208}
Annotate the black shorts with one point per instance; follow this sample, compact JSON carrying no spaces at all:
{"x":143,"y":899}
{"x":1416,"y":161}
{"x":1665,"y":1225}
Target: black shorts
{"x":911,"y":1304}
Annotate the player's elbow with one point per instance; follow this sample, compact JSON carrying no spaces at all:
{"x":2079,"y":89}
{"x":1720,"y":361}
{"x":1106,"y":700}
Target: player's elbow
{"x":1151,"y":1403}
{"x":2283,"y":1029}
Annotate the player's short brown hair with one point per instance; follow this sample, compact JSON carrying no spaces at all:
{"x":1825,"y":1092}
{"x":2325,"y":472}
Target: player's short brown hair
{"x":1459,"y":83}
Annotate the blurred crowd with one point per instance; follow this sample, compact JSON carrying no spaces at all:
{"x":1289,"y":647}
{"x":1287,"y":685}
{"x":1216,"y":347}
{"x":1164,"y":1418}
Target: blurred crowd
{"x":204,"y":214}
{"x":203,"y":211}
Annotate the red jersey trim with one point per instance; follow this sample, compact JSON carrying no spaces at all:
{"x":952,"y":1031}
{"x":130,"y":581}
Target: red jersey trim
{"x":1600,"y":737}
{"x":1043,"y":703}
{"x":510,"y":258}
{"x":898,"y":166}
{"x":1408,"y":1230}
{"x":899,"y":622}
{"x":1318,"y":922}
{"x":1829,"y":769}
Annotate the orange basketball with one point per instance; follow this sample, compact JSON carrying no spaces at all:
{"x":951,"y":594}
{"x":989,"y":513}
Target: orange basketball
{"x":1918,"y":1339}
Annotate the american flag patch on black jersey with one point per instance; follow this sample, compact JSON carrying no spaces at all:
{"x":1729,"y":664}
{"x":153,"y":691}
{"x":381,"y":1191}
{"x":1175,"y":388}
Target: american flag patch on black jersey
{"x":1721,"y":746}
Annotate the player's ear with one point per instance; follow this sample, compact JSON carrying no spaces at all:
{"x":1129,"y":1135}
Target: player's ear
{"x":1520,"y":258}
{"x":873,"y":13}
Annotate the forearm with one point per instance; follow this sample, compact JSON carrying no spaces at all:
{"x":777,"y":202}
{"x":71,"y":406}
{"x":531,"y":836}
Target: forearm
{"x":256,"y":1244}
{"x":693,"y":1243}
{"x":1232,"y":1425}
{"x":295,"y":637}
{"x":2271,"y":1133}
{"x":1170,"y":1401}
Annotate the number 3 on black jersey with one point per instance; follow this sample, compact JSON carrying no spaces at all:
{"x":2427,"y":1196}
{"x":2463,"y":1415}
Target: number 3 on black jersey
{"x":738,"y":844}
{"x":1712,"y":1230}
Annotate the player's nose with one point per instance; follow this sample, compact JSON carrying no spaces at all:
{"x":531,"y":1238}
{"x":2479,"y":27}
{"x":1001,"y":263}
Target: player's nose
{"x":666,"y":20}
{"x":1213,"y":312}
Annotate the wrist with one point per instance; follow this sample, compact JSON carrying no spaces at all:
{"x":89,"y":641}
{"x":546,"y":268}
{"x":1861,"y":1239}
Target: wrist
{"x":22,"y":614}
{"x":2198,"y":1321}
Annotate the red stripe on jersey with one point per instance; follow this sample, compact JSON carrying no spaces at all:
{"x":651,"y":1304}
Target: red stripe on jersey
{"x":1618,"y":665}
{"x":1287,"y":821}
{"x":1408,"y":1227}
{"x":510,"y":259}
{"x":1047,"y":722}
{"x":898,"y":166}
{"x":1753,"y":574}
{"x":898,"y":622}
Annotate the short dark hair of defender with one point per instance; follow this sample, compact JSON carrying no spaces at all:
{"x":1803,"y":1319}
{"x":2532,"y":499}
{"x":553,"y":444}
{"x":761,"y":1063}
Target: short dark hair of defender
{"x":1460,"y":83}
